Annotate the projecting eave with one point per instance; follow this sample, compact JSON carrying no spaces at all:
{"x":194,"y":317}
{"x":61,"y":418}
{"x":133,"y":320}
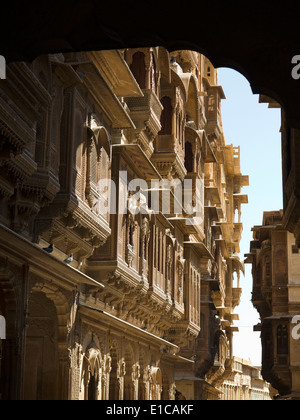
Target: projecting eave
{"x":136,"y":158}
{"x":200,"y":248}
{"x":177,"y":81}
{"x":244,"y":180}
{"x":223,"y":246}
{"x":213,"y":195}
{"x":214,"y":216}
{"x":117,"y":73}
{"x":241,"y":198}
{"x":183,"y":224}
{"x":104,"y":95}
{"x":249,"y":259}
{"x":95,"y":315}
{"x":220,"y":89}
{"x":264,"y":99}
{"x":42,"y":263}
{"x":238,"y":264}
{"x":210,"y":156}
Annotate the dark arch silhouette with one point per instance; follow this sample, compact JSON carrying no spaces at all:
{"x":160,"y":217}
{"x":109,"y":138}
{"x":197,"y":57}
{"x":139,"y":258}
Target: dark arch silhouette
{"x":258,"y":39}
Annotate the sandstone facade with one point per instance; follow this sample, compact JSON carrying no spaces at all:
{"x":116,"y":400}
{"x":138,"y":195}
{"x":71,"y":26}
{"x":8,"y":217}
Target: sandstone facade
{"x":144,"y":307}
{"x":245,"y":383}
{"x":275,"y":260}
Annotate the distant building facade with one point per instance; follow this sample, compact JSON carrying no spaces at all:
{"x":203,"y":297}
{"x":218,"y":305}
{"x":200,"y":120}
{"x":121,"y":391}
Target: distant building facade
{"x":143,"y":309}
{"x":245,"y":383}
{"x":275,"y":260}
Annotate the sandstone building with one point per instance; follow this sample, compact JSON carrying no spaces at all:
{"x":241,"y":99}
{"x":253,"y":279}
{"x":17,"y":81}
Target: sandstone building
{"x":144,"y":306}
{"x":275,"y":260}
{"x":245,"y":383}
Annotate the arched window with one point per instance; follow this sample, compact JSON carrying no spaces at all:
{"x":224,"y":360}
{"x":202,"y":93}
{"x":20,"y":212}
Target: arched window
{"x":80,"y":146}
{"x":142,"y":386}
{"x":202,"y":325}
{"x":166,"y":116}
{"x":281,"y":262}
{"x":2,"y":328}
{"x":282,"y":340}
{"x":41,"y":357}
{"x":153,"y":74}
{"x":138,"y":68}
{"x":97,"y":168}
{"x":189,"y":157}
{"x":128,"y":378}
{"x":258,"y":275}
{"x":268,"y":270}
{"x":113,"y":377}
{"x":131,"y":234}
{"x":92,"y":389}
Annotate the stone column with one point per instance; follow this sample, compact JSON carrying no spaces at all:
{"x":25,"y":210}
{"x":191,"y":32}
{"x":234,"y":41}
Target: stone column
{"x":120,"y":379}
{"x":146,"y":382}
{"x":148,"y":69}
{"x":64,"y":371}
{"x":136,"y":374}
{"x":172,"y":392}
{"x":106,"y":377}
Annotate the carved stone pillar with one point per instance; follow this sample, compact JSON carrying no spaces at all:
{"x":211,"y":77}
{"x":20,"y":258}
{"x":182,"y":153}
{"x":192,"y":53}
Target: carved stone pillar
{"x":107,"y":368}
{"x":64,"y":373}
{"x":169,"y":274}
{"x":145,"y":240}
{"x":121,"y":372}
{"x":146,"y":383}
{"x":172,"y":392}
{"x":180,"y":271}
{"x":136,"y":373}
{"x":148,"y":63}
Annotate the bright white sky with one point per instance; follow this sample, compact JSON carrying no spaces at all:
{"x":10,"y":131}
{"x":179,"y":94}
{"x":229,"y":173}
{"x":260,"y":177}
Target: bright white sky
{"x":255,"y":128}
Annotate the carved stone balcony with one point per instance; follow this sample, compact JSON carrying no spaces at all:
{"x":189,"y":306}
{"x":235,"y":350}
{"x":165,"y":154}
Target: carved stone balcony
{"x":275,"y":368}
{"x":237,"y":232}
{"x":212,"y":195}
{"x":213,"y":110}
{"x":168,"y":157}
{"x":236,"y":296}
{"x":217,"y":298}
{"x":73,"y":227}
{"x":23,"y":102}
{"x":145,"y":112}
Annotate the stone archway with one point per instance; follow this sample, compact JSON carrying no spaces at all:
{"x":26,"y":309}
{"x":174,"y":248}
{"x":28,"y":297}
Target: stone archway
{"x":10,"y":360}
{"x":92,"y":373}
{"x":47,"y":363}
{"x":41,"y":359}
{"x":114,"y":382}
{"x":142,"y":385}
{"x":129,"y":389}
{"x":244,"y":37}
{"x":156,"y":384}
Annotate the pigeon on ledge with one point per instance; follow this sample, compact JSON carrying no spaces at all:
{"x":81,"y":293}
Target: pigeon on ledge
{"x":69,"y":260}
{"x":49,"y":250}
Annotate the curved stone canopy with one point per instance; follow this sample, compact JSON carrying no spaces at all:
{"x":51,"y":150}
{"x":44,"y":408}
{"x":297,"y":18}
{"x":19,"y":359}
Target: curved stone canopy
{"x":257,"y":38}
